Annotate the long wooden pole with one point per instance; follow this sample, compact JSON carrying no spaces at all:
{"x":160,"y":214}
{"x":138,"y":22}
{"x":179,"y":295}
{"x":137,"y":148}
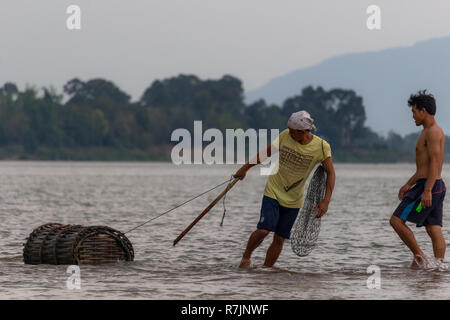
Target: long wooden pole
{"x":205,"y":211}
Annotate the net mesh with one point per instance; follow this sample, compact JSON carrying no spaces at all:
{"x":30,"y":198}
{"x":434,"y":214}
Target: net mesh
{"x":306,"y":229}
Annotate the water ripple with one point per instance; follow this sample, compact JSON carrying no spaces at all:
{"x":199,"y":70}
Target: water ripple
{"x":204,"y":265}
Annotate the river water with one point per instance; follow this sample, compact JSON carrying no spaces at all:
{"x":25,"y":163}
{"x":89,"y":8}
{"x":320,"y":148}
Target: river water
{"x":355,"y":235}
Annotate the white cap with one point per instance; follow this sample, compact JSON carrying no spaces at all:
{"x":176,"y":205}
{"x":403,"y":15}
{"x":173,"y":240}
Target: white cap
{"x":301,"y":120}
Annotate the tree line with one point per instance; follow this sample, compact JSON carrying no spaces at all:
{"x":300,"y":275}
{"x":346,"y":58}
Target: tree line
{"x":96,"y":120}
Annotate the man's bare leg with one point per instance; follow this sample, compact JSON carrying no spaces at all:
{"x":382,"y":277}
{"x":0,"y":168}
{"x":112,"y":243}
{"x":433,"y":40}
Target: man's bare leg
{"x":253,"y":242}
{"x":437,"y":238}
{"x":274,"y":250}
{"x":407,"y":237}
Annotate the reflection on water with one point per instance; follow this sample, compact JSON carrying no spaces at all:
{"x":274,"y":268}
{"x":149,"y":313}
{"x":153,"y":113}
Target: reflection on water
{"x":355,"y":234}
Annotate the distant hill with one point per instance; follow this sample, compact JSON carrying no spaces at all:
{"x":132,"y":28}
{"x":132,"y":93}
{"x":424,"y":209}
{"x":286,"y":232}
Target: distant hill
{"x":384,"y":79}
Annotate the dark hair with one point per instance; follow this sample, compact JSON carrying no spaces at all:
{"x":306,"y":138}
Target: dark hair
{"x":421,"y":100}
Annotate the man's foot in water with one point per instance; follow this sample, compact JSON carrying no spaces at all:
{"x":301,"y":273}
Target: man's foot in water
{"x":245,"y":263}
{"x":419,"y":262}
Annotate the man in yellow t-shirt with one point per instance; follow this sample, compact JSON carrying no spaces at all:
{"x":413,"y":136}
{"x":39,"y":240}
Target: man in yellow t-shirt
{"x":299,"y":152}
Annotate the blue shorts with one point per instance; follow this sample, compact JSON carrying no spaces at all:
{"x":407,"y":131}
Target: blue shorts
{"x":277,"y":218}
{"x":410,"y":209}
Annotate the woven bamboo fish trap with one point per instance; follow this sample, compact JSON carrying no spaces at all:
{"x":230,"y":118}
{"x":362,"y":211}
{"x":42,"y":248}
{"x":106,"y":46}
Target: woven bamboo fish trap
{"x":55,"y":243}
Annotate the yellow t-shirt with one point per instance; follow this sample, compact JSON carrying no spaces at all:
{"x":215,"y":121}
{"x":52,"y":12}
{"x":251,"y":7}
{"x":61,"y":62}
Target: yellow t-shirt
{"x":295,"y":163}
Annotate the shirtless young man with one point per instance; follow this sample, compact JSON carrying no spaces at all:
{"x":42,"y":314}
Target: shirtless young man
{"x":423,"y":195}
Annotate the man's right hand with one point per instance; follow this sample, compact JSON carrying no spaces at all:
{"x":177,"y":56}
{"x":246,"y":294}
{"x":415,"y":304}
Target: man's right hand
{"x":241,"y":172}
{"x":403,"y":190}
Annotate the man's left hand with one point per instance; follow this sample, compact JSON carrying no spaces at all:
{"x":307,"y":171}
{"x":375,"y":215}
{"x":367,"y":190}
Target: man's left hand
{"x":426,"y":199}
{"x":322,"y":208}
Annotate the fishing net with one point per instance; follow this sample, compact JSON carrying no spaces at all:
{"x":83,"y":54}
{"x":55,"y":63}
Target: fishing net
{"x":305,"y":231}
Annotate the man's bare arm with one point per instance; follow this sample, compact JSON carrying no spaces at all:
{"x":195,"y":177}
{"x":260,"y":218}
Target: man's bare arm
{"x":329,"y":187}
{"x":331,"y":178}
{"x":260,"y":157}
{"x":434,"y":151}
{"x":412,"y":181}
{"x":408,"y":185}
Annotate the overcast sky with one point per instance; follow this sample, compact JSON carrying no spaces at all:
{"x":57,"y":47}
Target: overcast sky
{"x":134,"y":42}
